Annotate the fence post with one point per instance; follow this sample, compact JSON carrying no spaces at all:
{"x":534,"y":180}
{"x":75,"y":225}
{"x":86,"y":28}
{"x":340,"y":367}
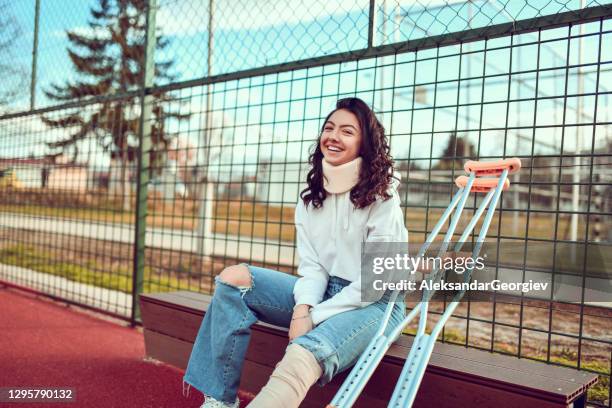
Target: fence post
{"x":144,"y":147}
{"x":34,"y":56}
{"x":371,"y":23}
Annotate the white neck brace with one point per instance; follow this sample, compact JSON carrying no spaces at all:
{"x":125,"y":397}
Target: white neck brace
{"x":341,"y":178}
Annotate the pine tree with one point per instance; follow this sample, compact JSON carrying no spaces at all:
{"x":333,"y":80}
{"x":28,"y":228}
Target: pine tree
{"x":109,"y":59}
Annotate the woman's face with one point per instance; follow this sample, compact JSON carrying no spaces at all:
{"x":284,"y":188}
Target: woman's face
{"x":341,"y":138}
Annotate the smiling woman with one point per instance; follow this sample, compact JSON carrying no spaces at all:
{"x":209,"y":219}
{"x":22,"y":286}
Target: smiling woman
{"x":351,"y":198}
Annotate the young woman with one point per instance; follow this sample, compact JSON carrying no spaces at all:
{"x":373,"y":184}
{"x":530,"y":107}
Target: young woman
{"x":351,"y":198}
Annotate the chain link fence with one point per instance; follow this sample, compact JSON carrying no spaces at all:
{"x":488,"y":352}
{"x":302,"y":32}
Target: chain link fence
{"x":145,"y":146}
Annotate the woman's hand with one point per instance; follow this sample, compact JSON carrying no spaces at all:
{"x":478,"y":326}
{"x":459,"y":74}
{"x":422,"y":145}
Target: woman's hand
{"x":301,"y":321}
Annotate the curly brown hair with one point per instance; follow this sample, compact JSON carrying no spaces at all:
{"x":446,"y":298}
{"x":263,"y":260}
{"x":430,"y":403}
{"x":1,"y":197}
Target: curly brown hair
{"x":377,"y":167}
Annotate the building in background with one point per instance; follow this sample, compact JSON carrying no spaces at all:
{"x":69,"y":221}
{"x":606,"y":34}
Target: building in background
{"x":49,"y":172}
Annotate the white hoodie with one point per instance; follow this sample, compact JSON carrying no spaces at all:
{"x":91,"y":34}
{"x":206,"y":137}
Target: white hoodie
{"x":329,"y":244}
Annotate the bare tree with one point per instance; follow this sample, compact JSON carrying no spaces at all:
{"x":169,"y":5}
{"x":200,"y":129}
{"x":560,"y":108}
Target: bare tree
{"x":14,"y":77}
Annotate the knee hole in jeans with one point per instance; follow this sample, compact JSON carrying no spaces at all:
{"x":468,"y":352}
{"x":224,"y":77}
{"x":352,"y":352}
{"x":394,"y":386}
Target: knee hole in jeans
{"x":238,"y":276}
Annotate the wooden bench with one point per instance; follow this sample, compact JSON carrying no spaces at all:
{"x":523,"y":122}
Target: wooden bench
{"x":456,"y":376}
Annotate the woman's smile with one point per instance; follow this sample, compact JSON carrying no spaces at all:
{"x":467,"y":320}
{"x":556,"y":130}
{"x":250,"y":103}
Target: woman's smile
{"x":334,"y":149}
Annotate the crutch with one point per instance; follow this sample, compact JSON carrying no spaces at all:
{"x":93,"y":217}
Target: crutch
{"x":378,"y":346}
{"x":420,"y":352}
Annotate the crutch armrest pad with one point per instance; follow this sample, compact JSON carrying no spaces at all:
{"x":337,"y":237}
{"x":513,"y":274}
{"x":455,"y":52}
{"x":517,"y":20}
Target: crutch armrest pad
{"x":493,"y":168}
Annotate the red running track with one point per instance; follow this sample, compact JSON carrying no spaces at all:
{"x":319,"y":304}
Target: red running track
{"x":46,"y":344}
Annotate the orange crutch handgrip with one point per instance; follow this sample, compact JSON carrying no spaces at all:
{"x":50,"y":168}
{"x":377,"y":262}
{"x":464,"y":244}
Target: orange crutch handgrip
{"x":481,"y":185}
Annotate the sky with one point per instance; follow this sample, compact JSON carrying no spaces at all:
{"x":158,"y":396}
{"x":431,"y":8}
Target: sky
{"x":281,"y":115}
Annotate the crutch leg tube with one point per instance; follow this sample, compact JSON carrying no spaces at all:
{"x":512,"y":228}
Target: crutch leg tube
{"x":366,"y":365}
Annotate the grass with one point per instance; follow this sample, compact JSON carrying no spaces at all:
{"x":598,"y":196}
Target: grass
{"x":90,"y":273}
{"x":248,"y":219}
{"x":74,"y":213}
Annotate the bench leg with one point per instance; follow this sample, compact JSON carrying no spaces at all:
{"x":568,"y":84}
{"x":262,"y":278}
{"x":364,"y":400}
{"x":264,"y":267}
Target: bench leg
{"x":581,"y":401}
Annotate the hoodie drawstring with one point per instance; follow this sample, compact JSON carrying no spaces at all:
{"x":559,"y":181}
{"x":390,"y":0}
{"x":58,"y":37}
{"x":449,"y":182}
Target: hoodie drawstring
{"x":335,"y":215}
{"x":347,"y":212}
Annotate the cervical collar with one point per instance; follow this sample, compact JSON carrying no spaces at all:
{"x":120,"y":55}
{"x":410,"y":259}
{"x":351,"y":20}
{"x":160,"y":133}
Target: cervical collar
{"x":341,"y":178}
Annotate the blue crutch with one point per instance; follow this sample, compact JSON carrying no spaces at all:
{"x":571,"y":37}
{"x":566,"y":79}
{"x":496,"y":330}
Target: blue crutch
{"x":420,"y":352}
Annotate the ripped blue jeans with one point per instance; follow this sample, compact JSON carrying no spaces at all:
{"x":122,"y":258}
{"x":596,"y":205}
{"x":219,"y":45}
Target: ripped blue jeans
{"x":220,"y":347}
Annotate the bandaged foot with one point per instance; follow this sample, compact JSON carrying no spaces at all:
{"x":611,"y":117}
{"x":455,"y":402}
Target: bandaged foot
{"x":290,"y":380}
